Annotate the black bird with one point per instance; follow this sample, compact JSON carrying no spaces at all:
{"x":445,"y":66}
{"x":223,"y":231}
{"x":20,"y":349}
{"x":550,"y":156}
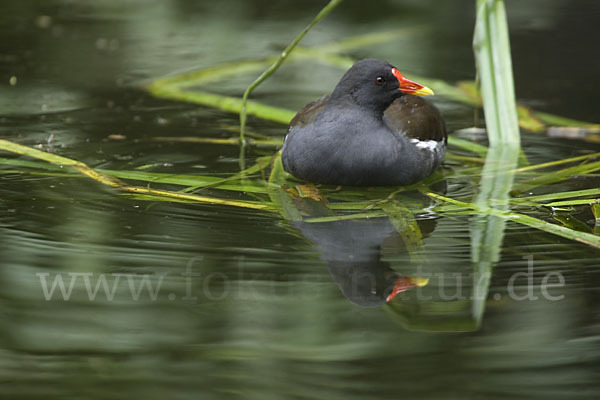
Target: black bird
{"x":371,"y":131}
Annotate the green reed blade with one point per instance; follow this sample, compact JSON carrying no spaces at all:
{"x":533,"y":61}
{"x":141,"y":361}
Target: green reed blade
{"x":274,"y":142}
{"x":523,"y":219}
{"x":560,"y":195}
{"x":572,"y":203}
{"x":112,"y":181}
{"x":494,"y":66}
{"x":225,"y":103}
{"x":558,"y":162}
{"x":556,"y":176}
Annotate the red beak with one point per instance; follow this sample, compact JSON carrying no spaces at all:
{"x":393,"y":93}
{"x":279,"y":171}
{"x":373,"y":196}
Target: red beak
{"x":407,"y":86}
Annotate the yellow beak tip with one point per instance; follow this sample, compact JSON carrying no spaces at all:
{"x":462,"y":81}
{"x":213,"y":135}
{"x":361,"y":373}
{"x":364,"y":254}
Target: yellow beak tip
{"x":425,"y":91}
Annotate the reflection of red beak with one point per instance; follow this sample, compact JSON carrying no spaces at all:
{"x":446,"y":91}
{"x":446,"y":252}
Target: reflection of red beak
{"x":401,"y":285}
{"x":407,"y":86}
{"x":404,"y":283}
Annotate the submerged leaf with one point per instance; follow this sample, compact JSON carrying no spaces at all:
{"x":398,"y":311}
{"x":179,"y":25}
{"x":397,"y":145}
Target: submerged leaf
{"x":571,"y":222}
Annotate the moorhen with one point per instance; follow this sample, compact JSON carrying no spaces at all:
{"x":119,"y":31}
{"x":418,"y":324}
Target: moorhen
{"x":371,"y":131}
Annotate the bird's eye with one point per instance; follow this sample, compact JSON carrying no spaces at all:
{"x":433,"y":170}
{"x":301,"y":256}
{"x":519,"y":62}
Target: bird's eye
{"x":379,"y":81}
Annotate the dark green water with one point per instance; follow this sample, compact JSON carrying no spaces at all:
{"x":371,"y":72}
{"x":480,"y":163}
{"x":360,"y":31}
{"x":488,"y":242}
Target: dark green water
{"x":244,"y":304}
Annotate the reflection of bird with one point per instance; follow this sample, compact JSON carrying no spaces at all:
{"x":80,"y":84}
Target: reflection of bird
{"x":369,"y":131}
{"x":352,"y":251}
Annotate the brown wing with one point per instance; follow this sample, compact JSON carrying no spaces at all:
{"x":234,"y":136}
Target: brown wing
{"x":416,"y":118}
{"x":412,"y":115}
{"x":309,"y":112}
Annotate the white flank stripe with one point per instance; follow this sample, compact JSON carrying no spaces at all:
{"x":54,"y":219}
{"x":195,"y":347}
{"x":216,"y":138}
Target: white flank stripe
{"x":430,"y":145}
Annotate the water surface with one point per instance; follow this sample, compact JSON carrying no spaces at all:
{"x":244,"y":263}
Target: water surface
{"x":243,"y":303}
